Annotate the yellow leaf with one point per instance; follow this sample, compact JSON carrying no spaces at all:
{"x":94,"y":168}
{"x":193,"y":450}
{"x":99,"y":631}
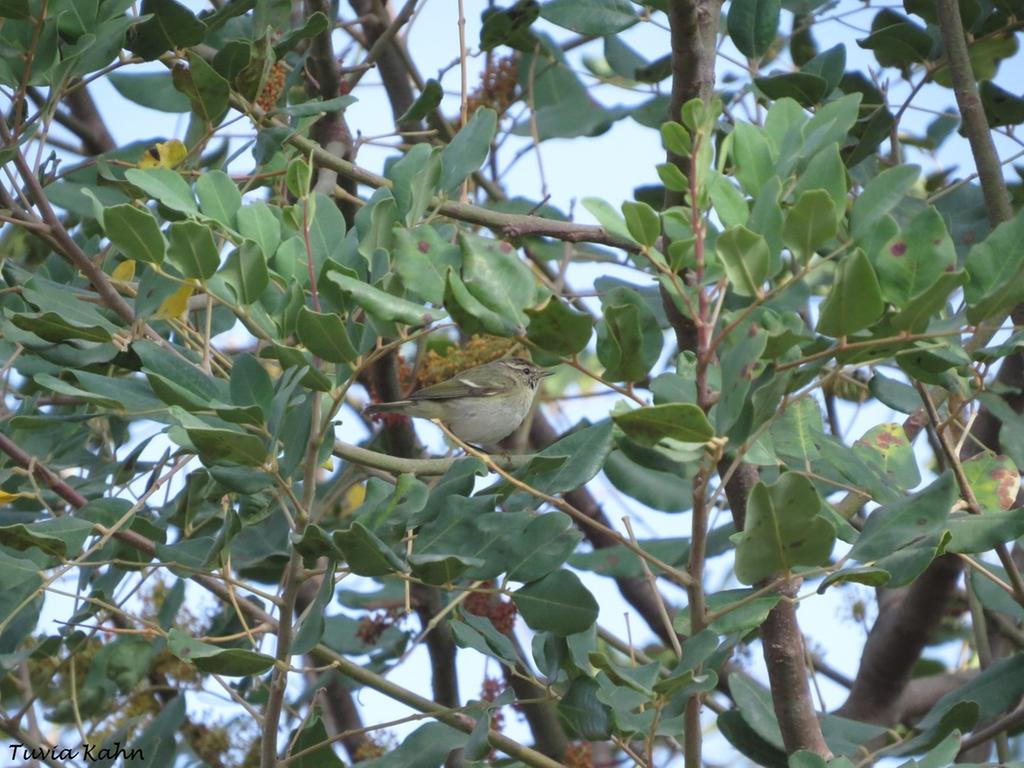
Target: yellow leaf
{"x":124,"y":271}
{"x":174,"y":306}
{"x":7,"y":498}
{"x":328,"y":463}
{"x":354,"y":496}
{"x":164,"y":154}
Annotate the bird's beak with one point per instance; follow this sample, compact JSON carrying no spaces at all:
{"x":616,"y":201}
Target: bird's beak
{"x":545,"y":373}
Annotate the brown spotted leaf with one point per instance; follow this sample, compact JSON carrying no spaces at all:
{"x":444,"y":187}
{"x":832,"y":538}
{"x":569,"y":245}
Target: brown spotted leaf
{"x":886,"y":448}
{"x":994,"y":480}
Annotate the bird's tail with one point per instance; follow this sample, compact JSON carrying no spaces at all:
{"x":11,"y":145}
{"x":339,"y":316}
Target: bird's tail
{"x":385,"y":407}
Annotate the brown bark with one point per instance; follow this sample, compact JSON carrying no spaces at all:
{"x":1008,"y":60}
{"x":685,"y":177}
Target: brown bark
{"x":786,"y":659}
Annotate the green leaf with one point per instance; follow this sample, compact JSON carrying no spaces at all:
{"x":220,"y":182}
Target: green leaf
{"x":557,"y":603}
{"x":468,"y":150}
{"x":543,"y":546}
{"x":311,"y":626}
{"x":441,"y":569}
{"x":727,"y":200}
{"x":319,"y":107}
{"x":867,"y":575}
{"x":755,"y":704}
{"x":895,"y":394}
{"x":509,"y":26}
{"x":971,"y":534}
{"x":428,"y":100}
{"x":314,"y":25}
{"x":607,"y":216}
{"x":672,"y":177}
{"x":557,"y":329}
{"x":1001,"y":106}
{"x":985,"y":55}
{"x":415,"y":178}
{"x":258,"y":223}
{"x":298,"y":178}
{"x":325,"y":335}
{"x":994,"y":690}
{"x":807,"y":90}
{"x":746,"y":258}
{"x":642,"y":221}
{"x":14,"y":9}
{"x":922,"y":309}
{"x":216,"y":445}
{"x":897,"y":41}
{"x":153,"y":90}
{"x":745,"y":739}
{"x":629,"y":340}
{"x":784,"y":529}
{"x":219,"y":198}
{"x":471,"y":314}
{"x":366,"y":554}
{"x":192,"y":249}
{"x":685,"y":422}
{"x":736,"y":610}
{"x":766,"y":219}
{"x":810,"y":223}
{"x":752,"y":25}
{"x":995,"y":266}
{"x":382,"y":305}
{"x":497,"y":277}
{"x":135,"y":233}
{"x":900,"y":524}
{"x":753,"y":155}
{"x":164,"y":185}
{"x":311,"y":747}
{"x":207,"y":91}
{"x":826,"y":171}
{"x":245,"y":270}
{"x":739,"y":366}
{"x":20,"y":604}
{"x":171,"y":26}
{"x":880,"y":196}
{"x":830,"y":65}
{"x":582,"y":712}
{"x":56,"y":328}
{"x":61,"y":537}
{"x":661,"y":490}
{"x":855,"y":301}
{"x":913,"y":261}
{"x":590,"y":17}
{"x":232,"y":662}
{"x":830,"y":125}
{"x":676,"y":139}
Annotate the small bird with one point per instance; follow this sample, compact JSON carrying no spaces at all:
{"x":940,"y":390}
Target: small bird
{"x":481,"y":405}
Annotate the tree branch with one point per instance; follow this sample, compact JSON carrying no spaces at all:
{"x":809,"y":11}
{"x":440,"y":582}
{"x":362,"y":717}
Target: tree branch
{"x":785,"y":657}
{"x":986,"y":160}
{"x":509,"y":224}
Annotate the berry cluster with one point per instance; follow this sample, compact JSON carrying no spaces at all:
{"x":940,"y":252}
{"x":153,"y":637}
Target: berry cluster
{"x":578,"y":755}
{"x":272,"y":87}
{"x":372,"y":626}
{"x":501,"y":612}
{"x":477,"y":351}
{"x":492,"y":688}
{"x":498,"y":86}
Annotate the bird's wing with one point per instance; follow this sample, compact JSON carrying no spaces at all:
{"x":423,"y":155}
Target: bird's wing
{"x":461,"y":386}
